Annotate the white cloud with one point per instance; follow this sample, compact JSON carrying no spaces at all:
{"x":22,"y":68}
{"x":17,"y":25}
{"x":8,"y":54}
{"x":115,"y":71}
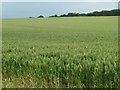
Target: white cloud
{"x":60,"y":0}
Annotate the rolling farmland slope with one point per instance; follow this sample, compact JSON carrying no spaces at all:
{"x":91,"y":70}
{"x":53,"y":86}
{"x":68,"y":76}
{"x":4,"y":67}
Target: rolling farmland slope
{"x":60,"y":52}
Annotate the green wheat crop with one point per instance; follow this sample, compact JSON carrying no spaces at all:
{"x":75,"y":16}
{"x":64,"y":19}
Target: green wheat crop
{"x":77,"y":52}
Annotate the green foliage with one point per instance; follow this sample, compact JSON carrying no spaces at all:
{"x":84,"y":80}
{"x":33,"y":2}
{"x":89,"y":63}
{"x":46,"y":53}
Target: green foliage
{"x":40,"y":16}
{"x":60,"y":52}
{"x":114,"y":12}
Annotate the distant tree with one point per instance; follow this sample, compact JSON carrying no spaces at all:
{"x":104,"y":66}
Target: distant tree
{"x":64,"y":15}
{"x":73,"y":14}
{"x":54,"y":15}
{"x":40,"y":16}
{"x":96,"y":13}
{"x":114,"y":12}
{"x":31,"y":17}
{"x":83,"y":14}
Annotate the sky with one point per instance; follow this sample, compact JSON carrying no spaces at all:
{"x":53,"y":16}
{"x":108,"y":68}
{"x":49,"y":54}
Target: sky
{"x":59,"y":0}
{"x":34,"y":9}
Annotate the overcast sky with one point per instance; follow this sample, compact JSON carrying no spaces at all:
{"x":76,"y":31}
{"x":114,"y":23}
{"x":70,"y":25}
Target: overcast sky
{"x":33,"y":9}
{"x":60,"y":0}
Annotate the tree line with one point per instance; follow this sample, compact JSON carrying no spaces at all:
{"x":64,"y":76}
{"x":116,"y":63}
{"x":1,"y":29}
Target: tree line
{"x":114,"y":12}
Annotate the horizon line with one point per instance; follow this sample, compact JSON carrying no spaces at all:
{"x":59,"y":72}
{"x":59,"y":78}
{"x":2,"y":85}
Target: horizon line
{"x":60,"y":14}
